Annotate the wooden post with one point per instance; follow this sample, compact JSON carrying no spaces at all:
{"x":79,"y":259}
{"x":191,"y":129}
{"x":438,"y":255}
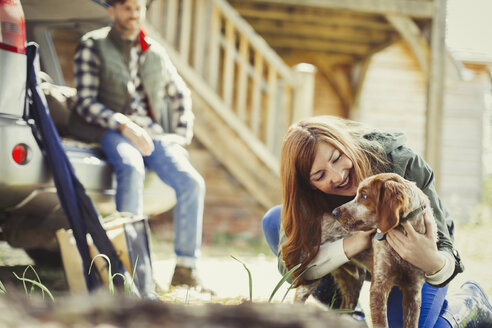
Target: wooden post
{"x":171,"y":15}
{"x":304,"y":92}
{"x":200,"y":36}
{"x":214,"y":49}
{"x":155,"y":14}
{"x":435,"y":90}
{"x":230,"y":49}
{"x":242,"y":84}
{"x":256,"y":93}
{"x":185,"y":32}
{"x":272,"y":98}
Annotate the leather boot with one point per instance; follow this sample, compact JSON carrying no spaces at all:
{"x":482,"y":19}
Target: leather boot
{"x":469,"y":307}
{"x":185,"y":276}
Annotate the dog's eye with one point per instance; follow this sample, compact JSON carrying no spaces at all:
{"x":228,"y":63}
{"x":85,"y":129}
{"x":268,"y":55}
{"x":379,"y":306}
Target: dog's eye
{"x":363,"y":196}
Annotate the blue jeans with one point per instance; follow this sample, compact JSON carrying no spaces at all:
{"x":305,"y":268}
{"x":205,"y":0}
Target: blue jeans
{"x":172,"y":165}
{"x":433,"y":298}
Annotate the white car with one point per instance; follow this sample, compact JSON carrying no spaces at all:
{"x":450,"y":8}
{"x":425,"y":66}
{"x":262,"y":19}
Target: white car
{"x":30,"y":211}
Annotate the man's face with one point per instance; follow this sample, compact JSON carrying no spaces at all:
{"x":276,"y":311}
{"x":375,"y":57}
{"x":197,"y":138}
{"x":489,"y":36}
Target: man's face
{"x":128,"y":16}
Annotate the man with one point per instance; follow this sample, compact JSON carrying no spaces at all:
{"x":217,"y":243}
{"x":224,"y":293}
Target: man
{"x":131,"y":100}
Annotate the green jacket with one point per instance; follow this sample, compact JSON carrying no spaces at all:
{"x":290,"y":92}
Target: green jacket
{"x":408,"y":164}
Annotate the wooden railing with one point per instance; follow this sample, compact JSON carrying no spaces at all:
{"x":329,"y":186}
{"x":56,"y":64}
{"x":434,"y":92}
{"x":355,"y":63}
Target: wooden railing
{"x":234,"y":70}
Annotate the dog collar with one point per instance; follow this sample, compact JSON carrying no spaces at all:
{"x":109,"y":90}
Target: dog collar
{"x":382,"y":236}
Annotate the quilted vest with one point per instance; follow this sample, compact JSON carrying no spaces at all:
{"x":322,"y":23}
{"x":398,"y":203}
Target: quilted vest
{"x":113,"y":52}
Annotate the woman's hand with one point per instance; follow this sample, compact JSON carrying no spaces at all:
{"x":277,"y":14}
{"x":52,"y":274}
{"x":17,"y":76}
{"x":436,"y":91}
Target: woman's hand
{"x":416,"y":248}
{"x":357,"y":243}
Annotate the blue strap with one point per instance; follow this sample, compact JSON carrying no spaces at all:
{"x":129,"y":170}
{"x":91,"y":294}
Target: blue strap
{"x":78,"y":207}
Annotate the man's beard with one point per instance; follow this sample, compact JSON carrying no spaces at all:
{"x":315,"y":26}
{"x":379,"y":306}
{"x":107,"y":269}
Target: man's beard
{"x":128,"y":27}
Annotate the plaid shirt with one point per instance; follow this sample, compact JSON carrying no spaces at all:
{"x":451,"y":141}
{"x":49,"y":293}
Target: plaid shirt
{"x":87,"y":65}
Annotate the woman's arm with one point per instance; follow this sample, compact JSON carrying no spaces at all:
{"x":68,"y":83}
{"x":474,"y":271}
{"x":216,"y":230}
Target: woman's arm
{"x":411,"y":166}
{"x":421,"y":251}
{"x":334,"y":254}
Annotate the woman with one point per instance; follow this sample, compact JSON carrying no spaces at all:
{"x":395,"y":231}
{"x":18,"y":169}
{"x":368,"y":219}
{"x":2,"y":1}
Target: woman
{"x":323,"y":159}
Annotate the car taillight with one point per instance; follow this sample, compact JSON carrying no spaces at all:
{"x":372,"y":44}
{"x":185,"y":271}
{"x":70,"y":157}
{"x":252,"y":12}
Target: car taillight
{"x":19,"y":154}
{"x":12,"y":26}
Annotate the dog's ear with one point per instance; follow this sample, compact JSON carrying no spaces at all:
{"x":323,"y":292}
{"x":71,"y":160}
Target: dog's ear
{"x":391,"y":202}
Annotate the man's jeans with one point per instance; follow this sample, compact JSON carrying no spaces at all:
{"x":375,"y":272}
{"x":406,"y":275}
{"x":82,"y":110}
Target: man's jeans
{"x":171,"y":163}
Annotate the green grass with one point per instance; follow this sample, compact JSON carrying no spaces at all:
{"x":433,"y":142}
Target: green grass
{"x":29,"y":284}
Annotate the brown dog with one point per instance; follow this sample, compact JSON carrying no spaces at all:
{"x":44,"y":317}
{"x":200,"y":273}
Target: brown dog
{"x":383,"y":201}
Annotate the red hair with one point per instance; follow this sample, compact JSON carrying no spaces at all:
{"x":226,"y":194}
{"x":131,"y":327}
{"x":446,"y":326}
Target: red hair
{"x":304,"y":205}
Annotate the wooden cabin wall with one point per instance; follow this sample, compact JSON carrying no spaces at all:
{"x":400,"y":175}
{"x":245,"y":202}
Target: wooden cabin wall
{"x":482,"y":72}
{"x":393,"y":95}
{"x":487,"y":158}
{"x":463,"y":139}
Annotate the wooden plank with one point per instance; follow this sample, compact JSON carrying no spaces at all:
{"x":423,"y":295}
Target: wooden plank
{"x":330,"y":57}
{"x":412,"y":8}
{"x":242,"y":85}
{"x":411,"y":33}
{"x":311,"y":31}
{"x":214,"y":49}
{"x":283,"y":113}
{"x":171,"y":18}
{"x":256,"y":93}
{"x":185,"y":35}
{"x":318,"y":16}
{"x":435,"y":91}
{"x":317,"y":45}
{"x":200,"y":36}
{"x":228,"y":80}
{"x":287,"y":111}
{"x":271,"y":108}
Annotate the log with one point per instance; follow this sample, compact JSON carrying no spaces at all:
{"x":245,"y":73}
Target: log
{"x":102,"y":309}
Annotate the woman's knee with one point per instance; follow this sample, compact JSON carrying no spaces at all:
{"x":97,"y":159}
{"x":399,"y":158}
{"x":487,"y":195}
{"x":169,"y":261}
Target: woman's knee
{"x":271,"y":219}
{"x":271,"y":227}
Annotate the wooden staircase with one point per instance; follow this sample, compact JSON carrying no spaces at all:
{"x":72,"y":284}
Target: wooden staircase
{"x":244,"y":95}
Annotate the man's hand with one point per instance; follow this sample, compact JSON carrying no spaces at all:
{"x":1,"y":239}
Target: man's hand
{"x":138,"y":137}
{"x":417,"y":249}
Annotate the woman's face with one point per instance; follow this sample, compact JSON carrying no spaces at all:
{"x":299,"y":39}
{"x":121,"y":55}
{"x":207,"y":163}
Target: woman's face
{"x":332,"y":171}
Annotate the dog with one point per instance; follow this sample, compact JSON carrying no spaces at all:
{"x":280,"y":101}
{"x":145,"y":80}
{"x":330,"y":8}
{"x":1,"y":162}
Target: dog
{"x":349,"y":277}
{"x":382,"y":202}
